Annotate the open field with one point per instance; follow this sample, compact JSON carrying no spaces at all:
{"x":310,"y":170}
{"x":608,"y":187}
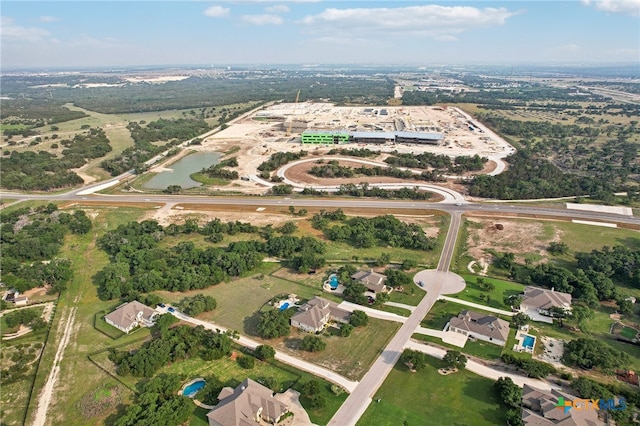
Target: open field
{"x":411,"y":398}
{"x":503,"y":289}
{"x":76,"y":367}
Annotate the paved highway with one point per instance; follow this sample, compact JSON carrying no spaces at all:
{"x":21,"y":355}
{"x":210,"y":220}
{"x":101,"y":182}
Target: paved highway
{"x":326,"y":203}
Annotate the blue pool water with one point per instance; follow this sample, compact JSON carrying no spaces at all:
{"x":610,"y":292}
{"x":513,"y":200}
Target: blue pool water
{"x":284,"y":306}
{"x":528,"y":341}
{"x":333,"y":282}
{"x":193,"y":388}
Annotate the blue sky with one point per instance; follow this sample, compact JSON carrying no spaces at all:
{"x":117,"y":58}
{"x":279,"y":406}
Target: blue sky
{"x":124,"y":33}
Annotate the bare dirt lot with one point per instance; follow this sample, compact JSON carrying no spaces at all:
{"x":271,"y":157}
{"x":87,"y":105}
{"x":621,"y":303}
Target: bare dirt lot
{"x":516,"y":236}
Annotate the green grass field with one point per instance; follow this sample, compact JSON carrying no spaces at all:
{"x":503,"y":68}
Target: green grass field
{"x":628,"y":332}
{"x":349,"y":356}
{"x":496,"y":297}
{"x":426,"y":397}
{"x":480,"y":349}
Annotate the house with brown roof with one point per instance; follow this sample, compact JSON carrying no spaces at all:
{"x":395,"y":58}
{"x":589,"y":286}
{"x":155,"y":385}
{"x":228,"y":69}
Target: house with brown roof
{"x":538,"y":303}
{"x":540,"y":408}
{"x":246,"y":405}
{"x":314,"y":315}
{"x":482,"y":327}
{"x":373,"y":281}
{"x":131,"y":315}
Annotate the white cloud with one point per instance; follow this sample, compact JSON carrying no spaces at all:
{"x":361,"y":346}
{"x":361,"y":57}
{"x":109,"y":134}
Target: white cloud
{"x":265,"y":19}
{"x":216,"y":11}
{"x":628,"y":7}
{"x":426,"y":20}
{"x":48,"y":19}
{"x":446,"y":37}
{"x":277,"y":8}
{"x":10,"y":30}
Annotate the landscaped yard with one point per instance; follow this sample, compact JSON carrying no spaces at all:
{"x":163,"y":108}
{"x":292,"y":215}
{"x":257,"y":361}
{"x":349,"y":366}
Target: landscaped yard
{"x":426,"y":397}
{"x":349,"y":356}
{"x":496,"y":297}
{"x":444,"y":310}
{"x":484,"y":350}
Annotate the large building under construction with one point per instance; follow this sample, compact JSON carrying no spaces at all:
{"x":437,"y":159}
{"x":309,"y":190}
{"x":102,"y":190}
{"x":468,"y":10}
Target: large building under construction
{"x":326,"y":137}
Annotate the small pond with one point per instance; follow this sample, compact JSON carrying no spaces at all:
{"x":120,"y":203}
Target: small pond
{"x":182,"y":170}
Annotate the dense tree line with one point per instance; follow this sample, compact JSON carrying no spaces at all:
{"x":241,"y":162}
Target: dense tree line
{"x":619,"y":263}
{"x":590,"y":353}
{"x":365,"y":190}
{"x":140,"y":265}
{"x":529,"y":177}
{"x":158,"y":403}
{"x":31,"y":239}
{"x":354,"y":152}
{"x":171,"y":345}
{"x":220,"y":170}
{"x":383,"y":231}
{"x":37,"y":113}
{"x":440,"y":162}
{"x":533,"y":368}
{"x":274,"y":323}
{"x":279,"y":159}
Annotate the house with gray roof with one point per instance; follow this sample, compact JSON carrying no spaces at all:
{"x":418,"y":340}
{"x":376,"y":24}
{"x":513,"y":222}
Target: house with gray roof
{"x":131,"y":315}
{"x":314,"y":315}
{"x":480,"y":326}
{"x":373,"y":281}
{"x":538,"y":303}
{"x":540,"y":408}
{"x":246,"y":405}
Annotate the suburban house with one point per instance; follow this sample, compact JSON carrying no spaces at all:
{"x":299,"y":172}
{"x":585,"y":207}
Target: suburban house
{"x":482,"y":327}
{"x":131,"y":315}
{"x":246,"y":405}
{"x":373,"y":281}
{"x":21,"y":301}
{"x":541,"y":409}
{"x":538,"y":302}
{"x":314,"y":315}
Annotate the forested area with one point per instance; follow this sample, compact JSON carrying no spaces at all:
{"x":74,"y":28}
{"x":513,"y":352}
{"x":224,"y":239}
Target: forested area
{"x":530,"y":177}
{"x":440,"y":162}
{"x":174,"y":131}
{"x":158,"y":403}
{"x":220,"y":170}
{"x":44,"y":171}
{"x":198,"y":91}
{"x":140,"y":265}
{"x":365,"y":190}
{"x":363,"y":232}
{"x":169,"y":346}
{"x":31,"y":239}
{"x":278,"y":160}
{"x":36,"y":113}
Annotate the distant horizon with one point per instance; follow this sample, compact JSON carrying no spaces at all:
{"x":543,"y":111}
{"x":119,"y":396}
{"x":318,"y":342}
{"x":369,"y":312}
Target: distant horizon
{"x":96,"y":34}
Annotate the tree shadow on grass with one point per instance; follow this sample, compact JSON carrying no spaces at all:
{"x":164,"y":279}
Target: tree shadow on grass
{"x":293,"y":343}
{"x":250,"y":324}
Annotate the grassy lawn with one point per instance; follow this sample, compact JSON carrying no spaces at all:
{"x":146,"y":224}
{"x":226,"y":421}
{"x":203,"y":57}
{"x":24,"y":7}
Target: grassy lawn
{"x":496,"y":297}
{"x":628,"y":332}
{"x":426,"y":397}
{"x":409,"y":296}
{"x":584,"y":238}
{"x":349,"y":356}
{"x":480,"y":349}
{"x":239,"y":300}
{"x":207,"y":180}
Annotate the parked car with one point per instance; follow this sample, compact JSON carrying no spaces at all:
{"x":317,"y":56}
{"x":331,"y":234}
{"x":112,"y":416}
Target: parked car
{"x":161,"y":305}
{"x":171,"y":309}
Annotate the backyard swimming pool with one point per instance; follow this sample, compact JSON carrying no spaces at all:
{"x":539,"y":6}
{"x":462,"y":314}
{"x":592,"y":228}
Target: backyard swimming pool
{"x":528,"y":342}
{"x":193,"y":388}
{"x":284,"y":306}
{"x":333,"y":282}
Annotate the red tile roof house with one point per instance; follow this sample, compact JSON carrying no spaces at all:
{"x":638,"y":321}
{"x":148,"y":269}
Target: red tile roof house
{"x":537,"y":303}
{"x":314,"y":315}
{"x":131,"y":315}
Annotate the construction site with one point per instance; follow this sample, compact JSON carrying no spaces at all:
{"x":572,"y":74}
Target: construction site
{"x":320,"y":126}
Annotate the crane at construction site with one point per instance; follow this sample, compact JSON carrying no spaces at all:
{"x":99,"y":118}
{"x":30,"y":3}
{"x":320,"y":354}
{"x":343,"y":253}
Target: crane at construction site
{"x":291,"y":121}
